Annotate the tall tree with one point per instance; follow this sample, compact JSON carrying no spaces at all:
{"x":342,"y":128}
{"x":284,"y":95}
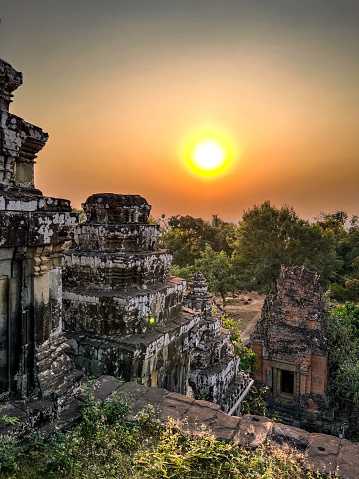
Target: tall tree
{"x":268,"y":238}
{"x":189,"y":236}
{"x":216,"y":267}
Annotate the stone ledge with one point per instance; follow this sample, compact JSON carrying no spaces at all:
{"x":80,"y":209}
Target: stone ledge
{"x":323,"y":453}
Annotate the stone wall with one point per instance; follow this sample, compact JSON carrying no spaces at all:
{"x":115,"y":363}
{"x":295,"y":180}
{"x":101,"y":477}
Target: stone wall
{"x":126,"y":316}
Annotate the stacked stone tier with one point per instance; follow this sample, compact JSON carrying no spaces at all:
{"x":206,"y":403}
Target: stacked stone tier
{"x":138,"y":355}
{"x":112,"y":208}
{"x":113,"y":270}
{"x":32,"y":220}
{"x":100,"y":238}
{"x":117,"y":312}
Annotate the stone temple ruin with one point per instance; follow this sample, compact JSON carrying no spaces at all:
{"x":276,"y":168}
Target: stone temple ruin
{"x":125,"y":316}
{"x":112,"y":307}
{"x":291,"y":344}
{"x":108,"y":307}
{"x":214,"y":369}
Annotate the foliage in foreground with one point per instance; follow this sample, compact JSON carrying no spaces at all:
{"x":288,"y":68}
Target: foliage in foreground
{"x":343,"y":387}
{"x":182,"y":456}
{"x":108,"y":444}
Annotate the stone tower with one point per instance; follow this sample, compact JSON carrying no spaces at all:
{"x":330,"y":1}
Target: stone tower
{"x":33,"y":229}
{"x":290,"y":340}
{"x":214,"y":370}
{"x":122,"y":310}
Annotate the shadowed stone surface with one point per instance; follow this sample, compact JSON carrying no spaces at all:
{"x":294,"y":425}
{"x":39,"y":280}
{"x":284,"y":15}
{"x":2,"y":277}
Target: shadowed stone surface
{"x":33,"y":229}
{"x":282,"y":434}
{"x":348,"y":460}
{"x":323,"y":452}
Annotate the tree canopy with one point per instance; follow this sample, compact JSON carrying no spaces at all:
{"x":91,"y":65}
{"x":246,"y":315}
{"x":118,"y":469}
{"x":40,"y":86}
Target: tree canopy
{"x":249,"y":255}
{"x":268,"y":238}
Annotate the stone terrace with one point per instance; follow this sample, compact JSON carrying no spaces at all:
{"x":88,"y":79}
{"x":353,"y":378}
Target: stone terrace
{"x":326,"y":454}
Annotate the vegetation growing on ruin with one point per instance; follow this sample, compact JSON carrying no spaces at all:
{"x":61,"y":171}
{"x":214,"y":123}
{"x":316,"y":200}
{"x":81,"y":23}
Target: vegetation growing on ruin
{"x":248,"y":357}
{"x":109,"y":444}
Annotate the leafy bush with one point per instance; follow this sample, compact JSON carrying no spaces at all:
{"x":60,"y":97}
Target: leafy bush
{"x":247,"y":356}
{"x":138,"y":448}
{"x":255,"y":401}
{"x":9,"y":455}
{"x":349,"y":292}
{"x":182,"y":456}
{"x":343,"y":387}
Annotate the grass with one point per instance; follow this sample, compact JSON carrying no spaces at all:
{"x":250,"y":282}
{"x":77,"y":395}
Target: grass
{"x":108,"y":444}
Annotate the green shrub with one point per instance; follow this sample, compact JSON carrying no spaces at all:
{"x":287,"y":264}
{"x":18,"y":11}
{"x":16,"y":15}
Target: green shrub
{"x":109,"y":445}
{"x":183,"y":456}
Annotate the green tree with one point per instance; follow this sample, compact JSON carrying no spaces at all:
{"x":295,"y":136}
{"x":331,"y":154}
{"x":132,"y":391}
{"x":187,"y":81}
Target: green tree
{"x":345,"y":281}
{"x":343,"y":333}
{"x":343,"y":384}
{"x":187,"y":237}
{"x":268,"y":238}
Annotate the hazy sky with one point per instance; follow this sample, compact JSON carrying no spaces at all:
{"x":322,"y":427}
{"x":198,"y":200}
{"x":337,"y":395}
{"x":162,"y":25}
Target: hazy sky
{"x":120,"y":86}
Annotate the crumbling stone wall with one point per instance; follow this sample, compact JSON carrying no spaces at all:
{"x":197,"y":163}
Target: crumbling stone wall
{"x":290,"y":341}
{"x":33,"y":228}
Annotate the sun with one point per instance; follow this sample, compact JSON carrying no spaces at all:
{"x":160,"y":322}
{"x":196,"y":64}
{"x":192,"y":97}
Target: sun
{"x":209,"y":156}
{"x":208,"y":152}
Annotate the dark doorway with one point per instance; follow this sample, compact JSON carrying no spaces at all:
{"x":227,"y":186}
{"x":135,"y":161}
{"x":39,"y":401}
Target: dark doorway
{"x":287,"y":382}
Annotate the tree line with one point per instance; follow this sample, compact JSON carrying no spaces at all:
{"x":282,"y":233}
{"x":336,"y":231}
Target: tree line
{"x":248,"y":256}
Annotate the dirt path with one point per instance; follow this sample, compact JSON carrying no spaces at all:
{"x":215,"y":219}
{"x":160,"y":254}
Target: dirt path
{"x":247,"y":307}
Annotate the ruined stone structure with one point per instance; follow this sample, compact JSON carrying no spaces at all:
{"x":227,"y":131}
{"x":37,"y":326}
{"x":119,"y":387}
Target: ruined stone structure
{"x":214,"y":369}
{"x":290,"y":341}
{"x":122,"y":310}
{"x":33,"y":228}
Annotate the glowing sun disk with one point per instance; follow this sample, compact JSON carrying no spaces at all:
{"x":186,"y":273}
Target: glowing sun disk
{"x":209,"y":156}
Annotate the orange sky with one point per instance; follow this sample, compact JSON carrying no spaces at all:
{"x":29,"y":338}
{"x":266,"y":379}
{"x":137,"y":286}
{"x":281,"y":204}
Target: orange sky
{"x":120,"y":86}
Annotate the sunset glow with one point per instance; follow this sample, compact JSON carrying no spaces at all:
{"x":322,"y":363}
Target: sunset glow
{"x":200,"y":107}
{"x":209,"y":152}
